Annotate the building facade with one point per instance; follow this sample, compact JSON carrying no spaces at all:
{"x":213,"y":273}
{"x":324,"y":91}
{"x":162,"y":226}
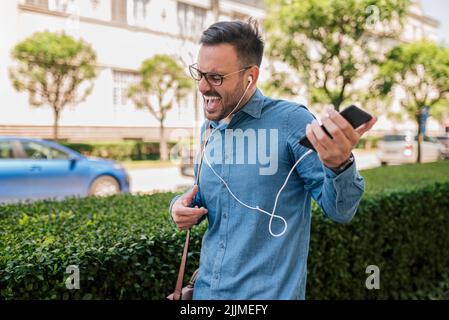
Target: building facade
{"x":124,"y":33}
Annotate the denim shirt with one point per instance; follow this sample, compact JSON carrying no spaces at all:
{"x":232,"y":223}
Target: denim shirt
{"x":240,"y":258}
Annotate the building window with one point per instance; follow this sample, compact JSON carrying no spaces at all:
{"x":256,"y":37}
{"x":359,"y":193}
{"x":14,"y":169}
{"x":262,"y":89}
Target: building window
{"x":122,"y":81}
{"x":37,"y":3}
{"x":61,"y":5}
{"x":119,"y":13}
{"x":140,"y":11}
{"x":191,"y":20}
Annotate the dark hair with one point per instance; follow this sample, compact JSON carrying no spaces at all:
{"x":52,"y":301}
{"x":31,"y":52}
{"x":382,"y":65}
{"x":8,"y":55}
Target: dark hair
{"x":244,"y":36}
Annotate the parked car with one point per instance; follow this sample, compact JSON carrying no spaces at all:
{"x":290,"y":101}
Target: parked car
{"x":444,"y":140}
{"x":403,"y":148}
{"x":38,"y":169}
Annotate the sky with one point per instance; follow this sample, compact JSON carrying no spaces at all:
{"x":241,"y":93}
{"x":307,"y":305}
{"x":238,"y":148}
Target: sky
{"x":439,"y":9}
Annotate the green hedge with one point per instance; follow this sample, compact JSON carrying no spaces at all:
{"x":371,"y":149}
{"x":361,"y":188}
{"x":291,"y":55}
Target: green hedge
{"x":121,"y":150}
{"x":126,"y":248}
{"x":368,"y":142}
{"x":404,"y":233}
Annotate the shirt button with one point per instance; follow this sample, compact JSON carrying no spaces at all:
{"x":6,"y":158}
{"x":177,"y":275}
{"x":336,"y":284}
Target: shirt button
{"x":222,"y":245}
{"x":216,"y":277}
{"x":225,"y":215}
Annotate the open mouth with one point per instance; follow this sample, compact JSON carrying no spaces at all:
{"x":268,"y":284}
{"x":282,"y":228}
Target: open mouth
{"x":212,"y":103}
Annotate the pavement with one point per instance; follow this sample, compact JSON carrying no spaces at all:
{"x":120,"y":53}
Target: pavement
{"x":366,"y":159}
{"x":170,"y":179}
{"x":158,"y":179}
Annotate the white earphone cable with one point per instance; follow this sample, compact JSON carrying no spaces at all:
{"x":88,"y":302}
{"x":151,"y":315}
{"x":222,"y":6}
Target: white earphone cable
{"x":272,"y":214}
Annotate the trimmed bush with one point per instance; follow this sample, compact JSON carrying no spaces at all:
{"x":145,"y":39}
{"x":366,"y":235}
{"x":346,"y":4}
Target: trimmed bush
{"x":404,"y":233}
{"x":120,"y":151}
{"x":369,"y":142}
{"x":126,"y":247}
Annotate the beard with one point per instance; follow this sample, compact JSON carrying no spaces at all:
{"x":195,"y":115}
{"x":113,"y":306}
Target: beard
{"x":221,"y":106}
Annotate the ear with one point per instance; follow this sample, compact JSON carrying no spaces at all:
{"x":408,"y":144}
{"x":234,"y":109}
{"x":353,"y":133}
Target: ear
{"x":254,"y":74}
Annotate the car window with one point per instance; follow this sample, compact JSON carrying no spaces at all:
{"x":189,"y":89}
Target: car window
{"x":6,"y":150}
{"x":34,"y":150}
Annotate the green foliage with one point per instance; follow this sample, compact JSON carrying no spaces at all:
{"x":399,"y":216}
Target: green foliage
{"x":162,"y":82}
{"x":163,"y":79}
{"x":421,"y":69}
{"x":369,"y":142}
{"x":404,"y":233}
{"x":329,"y":42}
{"x":280,"y":84}
{"x":121,"y":151}
{"x":52,"y":68}
{"x":127,"y":248}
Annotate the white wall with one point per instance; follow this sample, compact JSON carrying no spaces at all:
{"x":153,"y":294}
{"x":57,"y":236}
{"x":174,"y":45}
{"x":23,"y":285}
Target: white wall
{"x":116,"y":48}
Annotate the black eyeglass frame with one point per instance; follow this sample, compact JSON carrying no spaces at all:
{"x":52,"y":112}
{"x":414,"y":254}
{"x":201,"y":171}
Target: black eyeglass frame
{"x":193,"y":69}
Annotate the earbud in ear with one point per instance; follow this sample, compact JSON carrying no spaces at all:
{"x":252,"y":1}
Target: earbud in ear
{"x":250,"y":79}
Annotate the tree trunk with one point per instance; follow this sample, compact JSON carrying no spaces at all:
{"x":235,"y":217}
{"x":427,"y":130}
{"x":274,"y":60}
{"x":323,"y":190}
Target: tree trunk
{"x":163,"y":149}
{"x":55,"y":125}
{"x":420,"y":140}
{"x":337,"y":103}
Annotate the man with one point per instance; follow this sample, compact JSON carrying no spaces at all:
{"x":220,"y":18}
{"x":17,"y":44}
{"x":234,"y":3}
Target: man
{"x":247,"y":254}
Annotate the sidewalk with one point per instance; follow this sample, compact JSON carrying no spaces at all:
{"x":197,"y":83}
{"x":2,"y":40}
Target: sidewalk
{"x":366,"y":159}
{"x":158,"y":179}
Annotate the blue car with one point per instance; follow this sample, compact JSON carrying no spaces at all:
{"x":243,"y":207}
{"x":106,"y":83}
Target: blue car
{"x":32,"y":169}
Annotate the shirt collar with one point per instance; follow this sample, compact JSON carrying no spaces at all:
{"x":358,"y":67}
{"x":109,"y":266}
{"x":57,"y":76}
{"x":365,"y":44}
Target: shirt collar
{"x":255,"y":105}
{"x":253,"y":108}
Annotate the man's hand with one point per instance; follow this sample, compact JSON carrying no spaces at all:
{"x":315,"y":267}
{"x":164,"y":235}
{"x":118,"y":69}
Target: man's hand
{"x":334,"y":152}
{"x":183,"y":215}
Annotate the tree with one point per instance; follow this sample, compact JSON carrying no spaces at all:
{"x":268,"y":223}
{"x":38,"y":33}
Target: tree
{"x":280,"y":84}
{"x":55,"y":70}
{"x":421,"y":70}
{"x":162,"y":82}
{"x":330,"y":42}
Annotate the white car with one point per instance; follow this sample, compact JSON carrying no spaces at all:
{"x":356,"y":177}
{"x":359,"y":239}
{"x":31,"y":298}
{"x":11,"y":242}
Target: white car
{"x":403,"y":148}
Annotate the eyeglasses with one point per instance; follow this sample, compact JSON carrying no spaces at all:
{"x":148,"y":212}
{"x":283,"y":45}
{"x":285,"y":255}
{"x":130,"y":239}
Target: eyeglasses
{"x":214,"y":79}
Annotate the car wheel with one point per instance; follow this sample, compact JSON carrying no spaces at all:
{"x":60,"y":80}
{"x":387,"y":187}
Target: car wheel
{"x":104,"y":186}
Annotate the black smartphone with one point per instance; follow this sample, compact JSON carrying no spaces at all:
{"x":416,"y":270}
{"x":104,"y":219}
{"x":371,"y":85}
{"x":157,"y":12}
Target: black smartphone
{"x":354,"y":115}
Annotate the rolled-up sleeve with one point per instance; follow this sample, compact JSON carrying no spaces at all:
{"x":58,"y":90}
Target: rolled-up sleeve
{"x":337,"y":194}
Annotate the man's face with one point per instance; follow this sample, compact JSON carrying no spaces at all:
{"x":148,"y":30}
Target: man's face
{"x":219,"y":101}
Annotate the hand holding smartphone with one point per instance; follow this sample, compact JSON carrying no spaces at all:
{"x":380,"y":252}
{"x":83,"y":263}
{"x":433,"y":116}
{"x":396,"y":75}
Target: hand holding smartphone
{"x":354,"y":115}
